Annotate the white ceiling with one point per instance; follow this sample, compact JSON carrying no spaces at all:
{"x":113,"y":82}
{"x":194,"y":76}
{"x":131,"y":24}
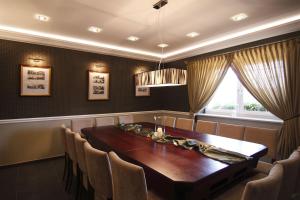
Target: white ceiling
{"x":122,"y":18}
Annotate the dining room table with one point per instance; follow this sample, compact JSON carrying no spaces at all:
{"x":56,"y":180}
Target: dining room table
{"x":174,"y":172}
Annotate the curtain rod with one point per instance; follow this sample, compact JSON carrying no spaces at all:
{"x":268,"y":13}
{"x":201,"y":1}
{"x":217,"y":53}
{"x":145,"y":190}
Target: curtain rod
{"x":252,"y":47}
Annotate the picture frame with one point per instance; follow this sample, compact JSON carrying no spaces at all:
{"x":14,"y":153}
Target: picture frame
{"x":35,"y":80}
{"x":98,"y":87}
{"x":142,"y":91}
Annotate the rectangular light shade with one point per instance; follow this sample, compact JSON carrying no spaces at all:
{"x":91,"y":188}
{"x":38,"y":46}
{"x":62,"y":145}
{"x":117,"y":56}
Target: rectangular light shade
{"x":161,"y":78}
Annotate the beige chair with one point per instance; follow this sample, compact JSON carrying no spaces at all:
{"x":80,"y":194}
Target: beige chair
{"x":186,"y":124}
{"x":267,"y":137}
{"x":64,"y":142}
{"x":291,"y":168}
{"x":231,"y":131}
{"x":78,"y":124}
{"x":99,"y":172}
{"x":262,"y":189}
{"x":128,"y":180}
{"x":70,"y":138}
{"x":105,"y":121}
{"x":126,"y":119}
{"x":206,"y":127}
{"x":81,"y":160}
{"x":297,"y":194}
{"x":169,"y":121}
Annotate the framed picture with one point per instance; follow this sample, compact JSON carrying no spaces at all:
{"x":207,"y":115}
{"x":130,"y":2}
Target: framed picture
{"x":142,"y":91}
{"x":35,"y":81}
{"x":98,"y":86}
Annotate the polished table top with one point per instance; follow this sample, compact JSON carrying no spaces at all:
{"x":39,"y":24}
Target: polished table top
{"x":176,"y":164}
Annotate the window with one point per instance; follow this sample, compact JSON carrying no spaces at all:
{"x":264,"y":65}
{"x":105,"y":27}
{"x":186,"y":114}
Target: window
{"x":233,"y":99}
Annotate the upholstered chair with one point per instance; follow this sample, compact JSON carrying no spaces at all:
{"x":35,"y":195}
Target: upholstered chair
{"x":291,"y":168}
{"x":78,"y":124}
{"x":81,"y":161}
{"x":267,"y":137}
{"x":186,"y":124}
{"x":126,"y":119}
{"x":105,"y":121}
{"x":64,"y":142}
{"x":266,"y":188}
{"x":206,"y":127}
{"x":169,"y":121}
{"x":231,"y":131}
{"x":99,"y":172}
{"x":128,"y":180}
{"x":70,"y":138}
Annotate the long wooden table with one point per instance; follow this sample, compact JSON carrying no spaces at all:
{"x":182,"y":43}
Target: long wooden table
{"x":174,"y":172}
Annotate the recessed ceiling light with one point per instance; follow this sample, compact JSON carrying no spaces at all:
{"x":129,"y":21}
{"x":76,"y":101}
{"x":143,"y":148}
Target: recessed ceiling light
{"x":43,"y":18}
{"x":239,"y":17}
{"x":162,"y":45}
{"x":192,"y":34}
{"x":133,"y":38}
{"x":95,"y":29}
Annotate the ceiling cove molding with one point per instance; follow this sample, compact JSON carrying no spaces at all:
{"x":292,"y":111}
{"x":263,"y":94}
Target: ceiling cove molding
{"x":234,"y":41}
{"x":32,"y":39}
{"x":275,"y":28}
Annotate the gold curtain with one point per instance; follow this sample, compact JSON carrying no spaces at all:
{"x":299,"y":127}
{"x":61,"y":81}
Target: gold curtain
{"x":203,"y":77}
{"x":271,"y":73}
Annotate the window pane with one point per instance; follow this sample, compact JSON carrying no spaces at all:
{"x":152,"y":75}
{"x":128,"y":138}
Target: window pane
{"x":250,"y":103}
{"x":225,"y":97}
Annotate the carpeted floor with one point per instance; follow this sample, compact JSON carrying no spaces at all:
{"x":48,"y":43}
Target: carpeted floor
{"x":41,"y":180}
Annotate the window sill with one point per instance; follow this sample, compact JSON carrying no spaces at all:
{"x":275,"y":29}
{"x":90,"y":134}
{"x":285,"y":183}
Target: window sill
{"x":241,"y":118}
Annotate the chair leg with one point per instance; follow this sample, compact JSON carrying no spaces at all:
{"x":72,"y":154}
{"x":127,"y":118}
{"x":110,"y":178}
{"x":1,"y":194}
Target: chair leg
{"x":78,"y":183}
{"x":69,"y":171}
{"x":65,"y":167}
{"x":90,"y":192}
{"x":71,"y":176}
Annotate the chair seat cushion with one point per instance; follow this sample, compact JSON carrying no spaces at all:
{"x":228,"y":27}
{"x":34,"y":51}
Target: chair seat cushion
{"x":263,"y":167}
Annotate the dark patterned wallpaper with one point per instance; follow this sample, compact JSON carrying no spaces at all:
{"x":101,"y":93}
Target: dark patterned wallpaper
{"x":69,"y":83}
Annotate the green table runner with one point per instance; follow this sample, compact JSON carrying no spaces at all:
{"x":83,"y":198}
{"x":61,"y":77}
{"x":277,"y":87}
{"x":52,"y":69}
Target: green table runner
{"x":220,"y":154}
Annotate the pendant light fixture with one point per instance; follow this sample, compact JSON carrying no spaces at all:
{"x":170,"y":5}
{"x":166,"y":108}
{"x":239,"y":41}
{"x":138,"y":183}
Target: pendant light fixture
{"x":161,"y":77}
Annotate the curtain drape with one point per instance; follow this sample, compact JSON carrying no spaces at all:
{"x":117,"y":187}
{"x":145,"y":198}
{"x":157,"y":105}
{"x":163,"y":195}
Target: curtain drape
{"x":203,"y":77}
{"x":271,"y":73}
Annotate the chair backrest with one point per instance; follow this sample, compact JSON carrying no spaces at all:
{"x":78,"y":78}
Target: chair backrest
{"x":290,"y":174}
{"x":78,"y":124}
{"x":62,"y":130}
{"x":298,"y":182}
{"x":72,"y":149}
{"x":125,"y":119}
{"x":231,"y":131}
{"x":79,"y":143}
{"x":267,"y":137}
{"x":128,"y":180}
{"x":169,"y":121}
{"x":105,"y":121}
{"x":99,"y":171}
{"x":70,"y":137}
{"x":186,"y":124}
{"x":206,"y":127}
{"x":265,"y":188}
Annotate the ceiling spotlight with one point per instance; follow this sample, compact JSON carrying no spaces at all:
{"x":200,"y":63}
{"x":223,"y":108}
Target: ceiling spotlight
{"x":42,"y":18}
{"x":192,"y":34}
{"x":95,"y":29}
{"x":239,"y":17}
{"x":133,"y":38}
{"x":162,"y":45}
